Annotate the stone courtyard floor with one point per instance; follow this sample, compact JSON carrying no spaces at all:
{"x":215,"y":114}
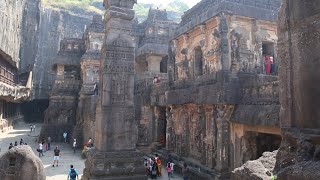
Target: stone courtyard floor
{"x":22,"y":131}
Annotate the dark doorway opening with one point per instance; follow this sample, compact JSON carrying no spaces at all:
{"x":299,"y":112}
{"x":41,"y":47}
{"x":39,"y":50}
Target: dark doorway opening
{"x":33,"y":111}
{"x":267,"y":143}
{"x":162,"y":126}
{"x":268,"y":48}
{"x":198,"y":61}
{"x":269,"y":59}
{"x":163,"y":65}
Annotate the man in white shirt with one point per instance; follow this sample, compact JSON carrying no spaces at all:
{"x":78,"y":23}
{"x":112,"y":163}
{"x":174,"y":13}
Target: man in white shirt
{"x":74,"y":146}
{"x":65,"y":136}
{"x":40,"y":149}
{"x":172,"y":165}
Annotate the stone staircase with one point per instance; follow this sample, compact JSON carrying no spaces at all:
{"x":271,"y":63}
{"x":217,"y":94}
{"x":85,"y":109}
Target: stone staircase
{"x":197,"y":170}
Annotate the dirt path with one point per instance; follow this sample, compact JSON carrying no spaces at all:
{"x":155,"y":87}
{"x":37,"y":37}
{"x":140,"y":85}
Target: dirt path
{"x":22,"y":131}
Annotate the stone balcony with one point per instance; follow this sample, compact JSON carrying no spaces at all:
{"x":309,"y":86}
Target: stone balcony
{"x":14,"y":93}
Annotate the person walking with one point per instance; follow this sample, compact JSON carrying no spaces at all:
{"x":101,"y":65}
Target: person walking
{"x":169,"y":171}
{"x":31,"y":127}
{"x":73,"y":174}
{"x":159,"y":165}
{"x":11,"y":146}
{"x":56,"y":156}
{"x":34,"y":128}
{"x":172,"y":168}
{"x":40,"y":149}
{"x":185,"y":171}
{"x":74,"y":145}
{"x":65,"y":134}
{"x":154,"y":170}
{"x":49,"y":143}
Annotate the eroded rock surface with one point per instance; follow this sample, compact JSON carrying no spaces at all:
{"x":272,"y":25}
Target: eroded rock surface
{"x":20,"y":163}
{"x":260,"y":169}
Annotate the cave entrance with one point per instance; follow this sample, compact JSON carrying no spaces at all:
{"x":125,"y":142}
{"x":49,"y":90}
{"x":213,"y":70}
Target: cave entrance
{"x":34,"y":111}
{"x":267,"y":143}
{"x":162,"y":126}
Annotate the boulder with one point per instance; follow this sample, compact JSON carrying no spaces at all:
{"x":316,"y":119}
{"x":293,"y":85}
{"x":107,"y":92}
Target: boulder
{"x":260,"y":169}
{"x":20,"y":163}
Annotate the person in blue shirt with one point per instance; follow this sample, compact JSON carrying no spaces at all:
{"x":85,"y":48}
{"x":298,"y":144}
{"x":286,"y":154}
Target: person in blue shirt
{"x":73,"y":174}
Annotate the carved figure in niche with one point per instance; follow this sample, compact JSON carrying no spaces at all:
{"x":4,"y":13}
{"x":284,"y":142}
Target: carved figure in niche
{"x":215,"y":134}
{"x":216,"y":40}
{"x":235,"y":51}
{"x":143,"y":133}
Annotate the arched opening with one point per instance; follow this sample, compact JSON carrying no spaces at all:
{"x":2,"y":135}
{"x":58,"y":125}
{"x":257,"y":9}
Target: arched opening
{"x":198,"y":61}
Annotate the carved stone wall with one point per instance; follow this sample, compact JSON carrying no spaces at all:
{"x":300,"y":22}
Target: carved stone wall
{"x":227,"y":42}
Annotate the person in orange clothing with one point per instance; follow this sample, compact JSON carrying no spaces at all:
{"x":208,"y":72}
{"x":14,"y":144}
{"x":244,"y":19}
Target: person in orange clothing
{"x":159,"y":166}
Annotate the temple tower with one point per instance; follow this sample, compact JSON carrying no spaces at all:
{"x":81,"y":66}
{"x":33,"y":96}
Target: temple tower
{"x":115,"y":155}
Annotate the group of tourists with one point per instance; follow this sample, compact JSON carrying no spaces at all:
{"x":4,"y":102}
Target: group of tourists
{"x":153,"y":167}
{"x":16,"y":144}
{"x":44,"y":146}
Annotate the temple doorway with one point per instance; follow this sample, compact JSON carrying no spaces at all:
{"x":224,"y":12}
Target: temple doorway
{"x":267,"y":143}
{"x":162,"y":126}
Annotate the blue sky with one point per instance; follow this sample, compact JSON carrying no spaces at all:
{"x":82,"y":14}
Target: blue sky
{"x":164,"y":2}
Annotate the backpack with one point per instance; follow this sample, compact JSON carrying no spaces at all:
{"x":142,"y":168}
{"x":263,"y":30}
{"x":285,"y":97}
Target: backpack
{"x":73,"y":174}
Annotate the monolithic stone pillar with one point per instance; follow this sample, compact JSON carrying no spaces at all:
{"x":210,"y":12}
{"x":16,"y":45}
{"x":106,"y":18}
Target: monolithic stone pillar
{"x":115,"y":155}
{"x":299,"y":74}
{"x":224,"y":113}
{"x":299,"y":63}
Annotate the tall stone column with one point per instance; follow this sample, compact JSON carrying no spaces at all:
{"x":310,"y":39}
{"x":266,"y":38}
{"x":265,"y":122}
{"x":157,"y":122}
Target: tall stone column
{"x":115,"y":155}
{"x":299,"y":75}
{"x":299,"y":65}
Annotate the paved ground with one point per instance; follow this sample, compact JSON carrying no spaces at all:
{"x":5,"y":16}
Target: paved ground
{"x":22,"y":131}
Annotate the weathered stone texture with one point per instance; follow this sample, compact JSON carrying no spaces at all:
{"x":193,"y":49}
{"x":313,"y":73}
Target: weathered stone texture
{"x":260,"y":169}
{"x":30,"y":35}
{"x":11,"y":13}
{"x":55,"y":25}
{"x":115,"y":155}
{"x":20,"y":163}
{"x":218,"y":101}
{"x":299,"y":38}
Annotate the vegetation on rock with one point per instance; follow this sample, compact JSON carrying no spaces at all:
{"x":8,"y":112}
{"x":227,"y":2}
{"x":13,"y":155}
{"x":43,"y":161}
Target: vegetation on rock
{"x":88,"y":7}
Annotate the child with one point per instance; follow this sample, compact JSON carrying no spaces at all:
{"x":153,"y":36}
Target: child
{"x":169,"y":170}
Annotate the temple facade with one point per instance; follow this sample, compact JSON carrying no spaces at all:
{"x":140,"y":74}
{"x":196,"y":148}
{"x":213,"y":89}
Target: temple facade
{"x":205,"y":90}
{"x":220,"y":104}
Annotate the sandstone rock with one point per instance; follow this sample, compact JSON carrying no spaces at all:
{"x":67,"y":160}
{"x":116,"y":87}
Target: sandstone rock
{"x":20,"y":163}
{"x":260,"y":169}
{"x":307,"y":170}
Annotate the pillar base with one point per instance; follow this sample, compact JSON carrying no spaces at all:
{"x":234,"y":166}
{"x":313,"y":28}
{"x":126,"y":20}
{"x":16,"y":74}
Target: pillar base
{"x":120,"y":165}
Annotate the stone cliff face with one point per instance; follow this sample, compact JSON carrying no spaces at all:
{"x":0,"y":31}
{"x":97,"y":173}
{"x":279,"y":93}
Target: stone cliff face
{"x":54,"y":26}
{"x":11,"y":13}
{"x":29,"y":35}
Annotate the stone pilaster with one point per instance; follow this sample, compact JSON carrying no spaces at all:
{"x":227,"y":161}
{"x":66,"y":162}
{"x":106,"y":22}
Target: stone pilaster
{"x":115,"y":155}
